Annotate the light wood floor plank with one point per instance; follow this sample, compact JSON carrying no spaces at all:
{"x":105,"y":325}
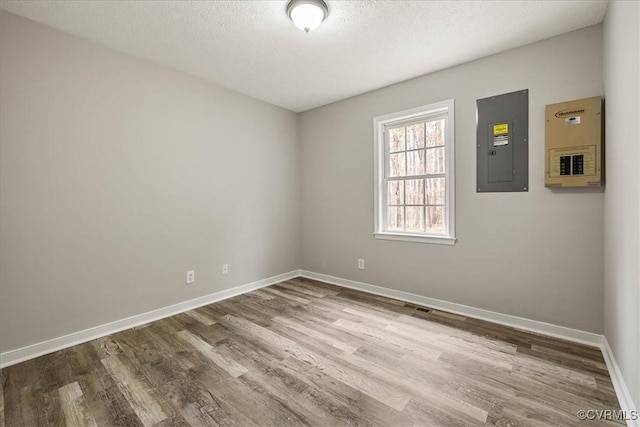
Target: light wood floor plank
{"x":141,"y":400}
{"x":200,"y":317}
{"x":303,"y":289}
{"x":322,"y":337}
{"x":290,"y":296}
{"x":232,"y":367}
{"x":73,"y":406}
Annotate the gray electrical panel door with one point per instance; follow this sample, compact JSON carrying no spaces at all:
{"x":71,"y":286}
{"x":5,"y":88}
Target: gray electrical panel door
{"x":502,"y":136}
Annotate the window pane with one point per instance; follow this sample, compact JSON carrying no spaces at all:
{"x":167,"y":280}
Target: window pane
{"x":396,"y":164}
{"x":435,"y":160}
{"x":415,"y":191}
{"x":414,"y":220}
{"x":435,"y":133}
{"x":395,"y":218}
{"x":415,"y":162}
{"x":415,"y":136}
{"x":435,"y":220}
{"x":434,"y":190}
{"x":396,"y":193}
{"x":396,"y":139}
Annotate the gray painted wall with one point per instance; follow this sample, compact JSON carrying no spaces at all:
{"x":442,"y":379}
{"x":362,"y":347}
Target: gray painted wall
{"x":118,"y":175}
{"x":622,"y":197}
{"x":537,"y":255}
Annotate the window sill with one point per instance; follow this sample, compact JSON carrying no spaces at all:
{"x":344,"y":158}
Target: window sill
{"x":416,"y":238}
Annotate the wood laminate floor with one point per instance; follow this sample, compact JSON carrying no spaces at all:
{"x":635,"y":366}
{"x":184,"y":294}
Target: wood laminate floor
{"x":307,"y":353}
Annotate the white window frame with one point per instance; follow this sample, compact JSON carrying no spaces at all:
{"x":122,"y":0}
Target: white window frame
{"x":380,"y":125}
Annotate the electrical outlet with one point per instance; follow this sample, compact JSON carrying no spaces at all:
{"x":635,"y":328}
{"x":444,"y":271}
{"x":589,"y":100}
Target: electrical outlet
{"x":360,"y":264}
{"x":191,"y":277}
{"x":225,"y":269}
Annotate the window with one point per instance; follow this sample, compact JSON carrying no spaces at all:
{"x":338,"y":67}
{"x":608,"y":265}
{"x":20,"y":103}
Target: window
{"x":414,"y":172}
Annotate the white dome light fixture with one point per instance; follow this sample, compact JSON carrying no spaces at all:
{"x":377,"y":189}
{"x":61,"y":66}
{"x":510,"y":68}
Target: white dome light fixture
{"x":307,"y":14}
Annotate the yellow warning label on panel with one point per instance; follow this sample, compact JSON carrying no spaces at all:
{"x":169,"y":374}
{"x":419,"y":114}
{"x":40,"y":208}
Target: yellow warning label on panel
{"x":501,"y":129}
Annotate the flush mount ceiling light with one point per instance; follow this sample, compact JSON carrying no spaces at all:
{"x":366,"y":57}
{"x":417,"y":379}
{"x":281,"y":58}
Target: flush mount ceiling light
{"x":307,"y":14}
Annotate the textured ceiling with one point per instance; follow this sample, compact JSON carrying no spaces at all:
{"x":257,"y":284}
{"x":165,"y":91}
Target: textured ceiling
{"x":253,"y":48}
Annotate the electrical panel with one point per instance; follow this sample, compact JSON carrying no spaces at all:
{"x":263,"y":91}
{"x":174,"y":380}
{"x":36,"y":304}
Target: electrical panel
{"x":573,"y":143}
{"x":502,"y":133}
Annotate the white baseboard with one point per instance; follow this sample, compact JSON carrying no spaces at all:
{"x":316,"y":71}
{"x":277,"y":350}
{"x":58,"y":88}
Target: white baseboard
{"x":32,"y":351}
{"x":548,"y":329}
{"x":619,"y":385}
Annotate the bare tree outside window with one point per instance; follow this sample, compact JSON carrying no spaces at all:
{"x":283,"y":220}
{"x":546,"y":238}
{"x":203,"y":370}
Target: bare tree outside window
{"x":416,"y":189}
{"x":415,"y":174}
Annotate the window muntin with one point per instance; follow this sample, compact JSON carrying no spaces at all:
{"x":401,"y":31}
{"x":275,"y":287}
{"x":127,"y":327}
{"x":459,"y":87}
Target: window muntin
{"x":414,"y":175}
